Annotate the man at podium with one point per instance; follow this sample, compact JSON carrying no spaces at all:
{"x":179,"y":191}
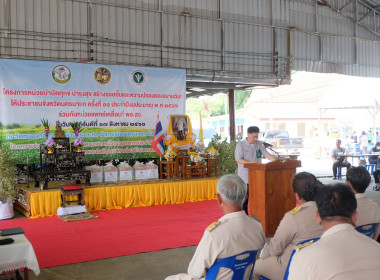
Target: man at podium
{"x":250,"y":150}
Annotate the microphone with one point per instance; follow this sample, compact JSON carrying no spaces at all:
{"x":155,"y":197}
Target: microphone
{"x":267,"y":145}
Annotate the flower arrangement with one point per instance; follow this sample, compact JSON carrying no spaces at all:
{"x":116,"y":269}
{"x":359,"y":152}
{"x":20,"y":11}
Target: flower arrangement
{"x":199,"y":147}
{"x":50,"y":142}
{"x":78,"y":142}
{"x":77,"y":127}
{"x":196,"y":158}
{"x":212,"y":152}
{"x":170,"y":154}
{"x":45,"y":123}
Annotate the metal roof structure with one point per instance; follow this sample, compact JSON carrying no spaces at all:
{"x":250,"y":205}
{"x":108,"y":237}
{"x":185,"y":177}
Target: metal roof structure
{"x":222,"y":44}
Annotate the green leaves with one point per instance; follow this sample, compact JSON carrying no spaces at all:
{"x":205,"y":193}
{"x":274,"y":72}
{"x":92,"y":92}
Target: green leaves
{"x":45,"y":122}
{"x":226,"y":158}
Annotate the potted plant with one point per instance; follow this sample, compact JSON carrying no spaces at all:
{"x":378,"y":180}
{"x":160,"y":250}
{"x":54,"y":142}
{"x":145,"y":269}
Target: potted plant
{"x":50,"y":143}
{"x":8,"y":188}
{"x":226,"y":154}
{"x":78,"y":142}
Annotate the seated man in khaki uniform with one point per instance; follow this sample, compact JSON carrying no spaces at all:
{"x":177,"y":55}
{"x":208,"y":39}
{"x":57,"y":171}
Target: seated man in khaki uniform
{"x":232,"y":234}
{"x":358,"y":178}
{"x":342,"y":252}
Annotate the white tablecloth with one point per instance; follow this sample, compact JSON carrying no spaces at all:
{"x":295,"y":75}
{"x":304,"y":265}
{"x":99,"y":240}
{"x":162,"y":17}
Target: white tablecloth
{"x":18,"y":254}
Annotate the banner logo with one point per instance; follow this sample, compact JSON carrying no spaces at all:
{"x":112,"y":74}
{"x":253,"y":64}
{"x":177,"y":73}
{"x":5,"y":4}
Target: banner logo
{"x":138,"y":77}
{"x":102,"y":75}
{"x":61,"y":74}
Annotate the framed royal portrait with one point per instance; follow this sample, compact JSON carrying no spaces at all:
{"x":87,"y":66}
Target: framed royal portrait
{"x":180,"y":126}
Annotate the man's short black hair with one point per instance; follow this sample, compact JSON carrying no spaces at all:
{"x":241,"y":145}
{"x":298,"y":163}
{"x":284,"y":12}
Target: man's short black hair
{"x":359,"y":178}
{"x":253,"y":129}
{"x":335,"y":200}
{"x":377,"y":143}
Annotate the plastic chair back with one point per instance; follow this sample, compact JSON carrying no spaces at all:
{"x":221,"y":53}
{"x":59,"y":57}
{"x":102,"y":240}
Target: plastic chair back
{"x":299,"y":245}
{"x":238,"y":264}
{"x":368,"y":229}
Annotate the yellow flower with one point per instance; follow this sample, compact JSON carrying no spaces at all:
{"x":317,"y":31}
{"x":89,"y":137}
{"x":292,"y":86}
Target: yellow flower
{"x":212,"y":151}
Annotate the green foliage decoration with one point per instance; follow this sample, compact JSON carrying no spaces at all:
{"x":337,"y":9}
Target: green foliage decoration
{"x":45,"y":122}
{"x":226,"y":158}
{"x":8,"y":188}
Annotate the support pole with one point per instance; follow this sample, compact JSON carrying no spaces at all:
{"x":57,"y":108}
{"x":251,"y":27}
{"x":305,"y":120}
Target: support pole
{"x":231,"y":104}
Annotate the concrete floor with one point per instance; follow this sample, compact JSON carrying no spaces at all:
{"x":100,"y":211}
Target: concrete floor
{"x":158,"y":265}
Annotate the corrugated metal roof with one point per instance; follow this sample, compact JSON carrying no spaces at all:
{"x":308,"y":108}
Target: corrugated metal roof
{"x":222,"y":43}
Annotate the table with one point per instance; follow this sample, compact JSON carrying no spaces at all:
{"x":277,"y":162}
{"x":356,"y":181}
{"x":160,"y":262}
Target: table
{"x":169,"y":169}
{"x":196,"y":171}
{"x":72,"y":190}
{"x":181,"y":165}
{"x":360,"y":155}
{"x":17,"y":255}
{"x":370,"y":167}
{"x":212,"y":169}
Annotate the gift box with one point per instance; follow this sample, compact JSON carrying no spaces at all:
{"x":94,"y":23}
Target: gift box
{"x":152,"y":170}
{"x":140,"y":170}
{"x":96,"y":173}
{"x":110,"y":172}
{"x":125,"y":172}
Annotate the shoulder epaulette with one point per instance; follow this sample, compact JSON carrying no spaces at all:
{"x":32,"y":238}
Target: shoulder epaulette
{"x":213,"y":226}
{"x":255,"y":218}
{"x":295,"y":210}
{"x":300,"y":246}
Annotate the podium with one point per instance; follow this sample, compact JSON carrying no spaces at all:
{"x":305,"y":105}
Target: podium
{"x":270,"y":191}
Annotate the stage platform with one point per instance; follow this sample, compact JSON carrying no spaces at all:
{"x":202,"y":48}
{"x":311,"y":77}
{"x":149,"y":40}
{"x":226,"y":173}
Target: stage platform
{"x":36,"y":203}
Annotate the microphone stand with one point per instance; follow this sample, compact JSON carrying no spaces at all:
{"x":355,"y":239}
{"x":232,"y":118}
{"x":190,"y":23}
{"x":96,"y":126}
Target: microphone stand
{"x":277,"y":154}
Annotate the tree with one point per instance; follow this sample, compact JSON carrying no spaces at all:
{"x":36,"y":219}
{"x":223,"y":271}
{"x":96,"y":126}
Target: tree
{"x":241,"y":98}
{"x":214,"y":105}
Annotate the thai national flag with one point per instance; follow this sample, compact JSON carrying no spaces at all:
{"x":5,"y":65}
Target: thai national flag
{"x":158,"y":138}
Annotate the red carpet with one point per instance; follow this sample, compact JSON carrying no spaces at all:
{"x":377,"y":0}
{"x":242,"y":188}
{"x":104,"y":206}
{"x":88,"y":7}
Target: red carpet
{"x":117,"y":232}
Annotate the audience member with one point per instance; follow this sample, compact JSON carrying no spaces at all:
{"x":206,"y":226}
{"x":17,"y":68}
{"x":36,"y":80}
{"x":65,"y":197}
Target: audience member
{"x":370,"y":136}
{"x":232,"y":234}
{"x":297,"y":225}
{"x":374,"y":159}
{"x":338,"y":158}
{"x":354,"y":137}
{"x":342,"y":252}
{"x":358,"y":178}
{"x":363,"y":142}
{"x":250,"y":150}
{"x":376,"y":176}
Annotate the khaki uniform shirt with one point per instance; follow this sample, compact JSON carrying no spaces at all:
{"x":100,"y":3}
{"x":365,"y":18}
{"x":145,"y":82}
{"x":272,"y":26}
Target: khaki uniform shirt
{"x":297,"y":225}
{"x":342,"y":253}
{"x":249,"y":152}
{"x":235,"y":234}
{"x":369,"y":213}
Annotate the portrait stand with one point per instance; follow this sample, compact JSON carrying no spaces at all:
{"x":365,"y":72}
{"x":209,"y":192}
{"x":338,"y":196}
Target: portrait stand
{"x":270,"y":191}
